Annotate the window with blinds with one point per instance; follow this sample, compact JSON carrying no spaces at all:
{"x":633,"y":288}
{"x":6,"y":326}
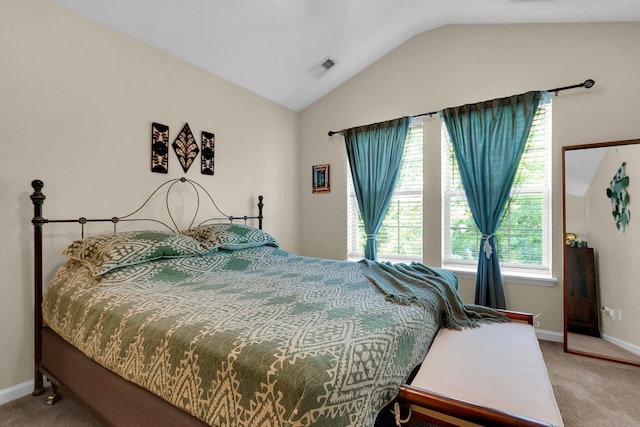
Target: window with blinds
{"x":400,"y":236}
{"x":523,"y":237}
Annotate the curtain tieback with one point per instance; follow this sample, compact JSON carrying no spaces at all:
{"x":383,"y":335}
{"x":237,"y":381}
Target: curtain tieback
{"x":487,"y":247}
{"x":372,"y":236}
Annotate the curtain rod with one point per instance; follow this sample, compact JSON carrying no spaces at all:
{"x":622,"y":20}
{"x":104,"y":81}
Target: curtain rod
{"x":587,"y":84}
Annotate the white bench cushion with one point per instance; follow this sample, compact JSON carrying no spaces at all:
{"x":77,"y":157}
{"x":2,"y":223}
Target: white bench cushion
{"x":497,"y":365}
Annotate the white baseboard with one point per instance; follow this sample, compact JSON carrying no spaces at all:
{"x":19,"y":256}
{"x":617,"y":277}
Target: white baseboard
{"x":549,"y":335}
{"x":17,"y":391}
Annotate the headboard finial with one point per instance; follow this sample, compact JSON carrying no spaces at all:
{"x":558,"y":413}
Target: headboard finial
{"x":37,"y":198}
{"x":37,"y":185}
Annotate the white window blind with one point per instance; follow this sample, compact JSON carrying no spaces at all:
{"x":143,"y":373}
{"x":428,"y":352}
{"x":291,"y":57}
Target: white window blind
{"x":523,"y":236}
{"x":400,"y":236}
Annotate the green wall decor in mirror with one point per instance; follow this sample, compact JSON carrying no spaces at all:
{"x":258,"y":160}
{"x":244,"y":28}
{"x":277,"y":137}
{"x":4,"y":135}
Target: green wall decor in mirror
{"x":617,"y":192}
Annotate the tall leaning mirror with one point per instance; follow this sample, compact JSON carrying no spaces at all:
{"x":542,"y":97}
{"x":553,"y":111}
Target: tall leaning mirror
{"x":601,"y":215}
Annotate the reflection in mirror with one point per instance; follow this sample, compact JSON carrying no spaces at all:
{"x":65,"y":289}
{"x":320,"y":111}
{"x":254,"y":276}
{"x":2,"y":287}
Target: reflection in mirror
{"x":602,"y":261}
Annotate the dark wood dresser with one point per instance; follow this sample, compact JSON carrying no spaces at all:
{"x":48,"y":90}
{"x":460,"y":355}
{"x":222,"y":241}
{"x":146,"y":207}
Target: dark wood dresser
{"x":581,"y":291}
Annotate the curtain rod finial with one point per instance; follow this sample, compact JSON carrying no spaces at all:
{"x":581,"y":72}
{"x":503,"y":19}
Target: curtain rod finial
{"x":331,"y":133}
{"x":588,"y":83}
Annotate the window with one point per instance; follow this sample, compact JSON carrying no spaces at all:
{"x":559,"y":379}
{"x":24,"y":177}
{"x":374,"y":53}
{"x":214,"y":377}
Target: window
{"x":400,"y":236}
{"x":523,"y":236}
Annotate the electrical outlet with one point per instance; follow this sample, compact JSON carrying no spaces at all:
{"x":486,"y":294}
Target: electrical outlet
{"x":619,"y":314}
{"x":609,"y":312}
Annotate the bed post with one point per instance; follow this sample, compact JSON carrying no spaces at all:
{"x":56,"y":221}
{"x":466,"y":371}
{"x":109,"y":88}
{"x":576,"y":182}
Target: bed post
{"x":260,"y":206}
{"x":37,"y":198}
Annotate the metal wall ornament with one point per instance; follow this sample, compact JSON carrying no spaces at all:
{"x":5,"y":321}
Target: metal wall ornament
{"x":159,"y":148}
{"x":617,"y":192}
{"x":185,"y":147}
{"x":208,"y":153}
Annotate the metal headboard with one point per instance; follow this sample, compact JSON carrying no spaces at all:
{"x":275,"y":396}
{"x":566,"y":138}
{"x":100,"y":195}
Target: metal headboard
{"x":37,"y":198}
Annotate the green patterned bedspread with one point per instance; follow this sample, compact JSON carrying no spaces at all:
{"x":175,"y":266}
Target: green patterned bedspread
{"x":253,"y":337}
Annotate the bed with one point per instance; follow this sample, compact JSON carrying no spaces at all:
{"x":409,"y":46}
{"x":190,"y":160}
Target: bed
{"x":213,"y":323}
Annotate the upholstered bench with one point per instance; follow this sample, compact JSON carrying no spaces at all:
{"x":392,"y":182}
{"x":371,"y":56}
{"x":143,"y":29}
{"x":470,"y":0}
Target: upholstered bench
{"x":493,"y":375}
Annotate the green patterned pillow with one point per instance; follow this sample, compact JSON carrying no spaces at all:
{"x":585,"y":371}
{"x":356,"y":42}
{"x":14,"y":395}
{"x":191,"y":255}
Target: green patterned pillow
{"x":230,"y":236}
{"x":108,"y":251}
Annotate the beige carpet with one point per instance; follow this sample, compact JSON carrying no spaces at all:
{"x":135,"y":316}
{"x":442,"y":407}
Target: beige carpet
{"x":590,"y":393}
{"x":31,"y":411}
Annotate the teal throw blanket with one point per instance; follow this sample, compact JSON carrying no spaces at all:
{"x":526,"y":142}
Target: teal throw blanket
{"x":431,"y":288}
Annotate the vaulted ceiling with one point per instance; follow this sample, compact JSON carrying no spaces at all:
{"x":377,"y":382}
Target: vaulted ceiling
{"x":270,"y":46}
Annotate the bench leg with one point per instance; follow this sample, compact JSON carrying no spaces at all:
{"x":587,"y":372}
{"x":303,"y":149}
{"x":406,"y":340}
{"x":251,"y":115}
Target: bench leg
{"x":54,"y":396}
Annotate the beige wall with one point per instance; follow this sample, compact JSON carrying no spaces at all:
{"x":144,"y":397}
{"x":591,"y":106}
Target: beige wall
{"x":575,"y":216}
{"x":460,"y":64}
{"x":77,"y":100}
{"x":616,"y":253}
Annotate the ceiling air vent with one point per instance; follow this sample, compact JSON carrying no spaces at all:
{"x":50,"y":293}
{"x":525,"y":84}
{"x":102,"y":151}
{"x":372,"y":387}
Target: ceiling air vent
{"x":324,"y":66}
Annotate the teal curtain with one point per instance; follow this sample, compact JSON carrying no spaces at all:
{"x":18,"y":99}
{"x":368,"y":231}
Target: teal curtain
{"x":375,"y":156}
{"x":488,"y":140}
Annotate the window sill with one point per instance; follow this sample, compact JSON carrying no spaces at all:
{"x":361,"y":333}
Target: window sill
{"x":508,"y":277}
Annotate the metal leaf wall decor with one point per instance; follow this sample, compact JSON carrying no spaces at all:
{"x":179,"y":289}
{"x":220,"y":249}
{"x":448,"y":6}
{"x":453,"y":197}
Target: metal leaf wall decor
{"x":208,"y":153}
{"x":159,"y":148}
{"x":185,"y":147}
{"x":617,"y":192}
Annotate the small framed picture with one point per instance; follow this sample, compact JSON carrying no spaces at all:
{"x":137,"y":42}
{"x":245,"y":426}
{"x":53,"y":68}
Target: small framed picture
{"x":321,"y":179}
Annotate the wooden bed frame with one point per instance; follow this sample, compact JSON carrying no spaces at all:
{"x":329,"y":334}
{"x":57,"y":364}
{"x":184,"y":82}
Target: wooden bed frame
{"x":109,"y":398}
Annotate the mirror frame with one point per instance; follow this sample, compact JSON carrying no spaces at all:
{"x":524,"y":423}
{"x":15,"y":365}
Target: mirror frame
{"x":565,"y":149}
